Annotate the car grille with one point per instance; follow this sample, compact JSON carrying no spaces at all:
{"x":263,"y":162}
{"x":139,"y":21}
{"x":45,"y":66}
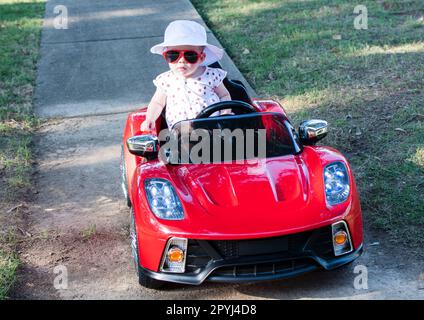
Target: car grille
{"x":263,"y":269}
{"x":197,"y":258}
{"x":321,"y":243}
{"x":284,"y":254}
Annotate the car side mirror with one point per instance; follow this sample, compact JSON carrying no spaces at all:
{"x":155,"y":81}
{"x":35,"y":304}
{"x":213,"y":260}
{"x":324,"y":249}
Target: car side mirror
{"x":311,"y":131}
{"x":144,"y":145}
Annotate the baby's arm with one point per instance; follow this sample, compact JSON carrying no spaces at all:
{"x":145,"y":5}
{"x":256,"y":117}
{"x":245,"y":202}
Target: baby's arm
{"x":154,"y":110}
{"x":223,"y":95}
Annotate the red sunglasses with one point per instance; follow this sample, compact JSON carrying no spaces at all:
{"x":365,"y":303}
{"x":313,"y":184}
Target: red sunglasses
{"x":191,"y":56}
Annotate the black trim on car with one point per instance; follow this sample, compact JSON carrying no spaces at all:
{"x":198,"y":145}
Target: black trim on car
{"x":258,"y":259}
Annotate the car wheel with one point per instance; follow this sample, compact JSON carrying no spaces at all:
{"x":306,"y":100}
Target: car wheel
{"x":124,"y":183}
{"x":143,"y":278}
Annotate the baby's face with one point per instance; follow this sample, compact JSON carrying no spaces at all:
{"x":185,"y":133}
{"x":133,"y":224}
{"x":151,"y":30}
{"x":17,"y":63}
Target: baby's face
{"x":181,"y":66}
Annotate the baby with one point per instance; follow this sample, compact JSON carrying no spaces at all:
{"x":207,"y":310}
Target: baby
{"x":189,"y":86}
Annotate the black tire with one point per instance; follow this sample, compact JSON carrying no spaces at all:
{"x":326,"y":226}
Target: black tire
{"x":143,"y":278}
{"x":124,"y":183}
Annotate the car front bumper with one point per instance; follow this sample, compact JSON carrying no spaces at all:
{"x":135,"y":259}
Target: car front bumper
{"x":258,"y":259}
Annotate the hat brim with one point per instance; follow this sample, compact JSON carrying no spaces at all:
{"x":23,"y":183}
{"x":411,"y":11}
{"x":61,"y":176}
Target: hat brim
{"x":212,"y":53}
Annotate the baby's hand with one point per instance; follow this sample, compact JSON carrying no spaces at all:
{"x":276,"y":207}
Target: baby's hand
{"x":147,"y":125}
{"x":226,"y":112}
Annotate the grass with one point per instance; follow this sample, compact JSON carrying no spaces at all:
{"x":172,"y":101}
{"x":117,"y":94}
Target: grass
{"x":89,"y":232}
{"x":8,"y":265}
{"x":9,"y":261}
{"x":368,"y":84}
{"x":20,"y":26}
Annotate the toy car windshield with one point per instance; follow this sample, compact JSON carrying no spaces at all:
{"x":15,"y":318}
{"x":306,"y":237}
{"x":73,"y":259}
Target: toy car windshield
{"x":231,"y":138}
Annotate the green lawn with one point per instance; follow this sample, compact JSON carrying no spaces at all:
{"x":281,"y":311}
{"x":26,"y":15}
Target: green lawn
{"x":368,"y":84}
{"x":8,"y":266}
{"x":20,"y":26}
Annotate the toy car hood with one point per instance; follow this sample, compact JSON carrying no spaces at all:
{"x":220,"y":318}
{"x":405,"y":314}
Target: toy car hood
{"x":273,"y":194}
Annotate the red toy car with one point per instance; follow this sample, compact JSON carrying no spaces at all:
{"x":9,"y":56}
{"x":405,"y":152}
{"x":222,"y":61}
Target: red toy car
{"x":291,"y":210}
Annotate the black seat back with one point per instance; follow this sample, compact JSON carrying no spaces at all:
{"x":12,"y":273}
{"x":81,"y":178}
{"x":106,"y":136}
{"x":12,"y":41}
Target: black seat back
{"x":236,"y":88}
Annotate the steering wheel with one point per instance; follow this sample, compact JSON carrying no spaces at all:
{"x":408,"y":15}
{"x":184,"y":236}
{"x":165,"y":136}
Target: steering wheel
{"x":239,"y":107}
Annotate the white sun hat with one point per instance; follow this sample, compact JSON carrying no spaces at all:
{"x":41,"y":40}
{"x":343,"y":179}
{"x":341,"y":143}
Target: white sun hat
{"x":189,"y":33}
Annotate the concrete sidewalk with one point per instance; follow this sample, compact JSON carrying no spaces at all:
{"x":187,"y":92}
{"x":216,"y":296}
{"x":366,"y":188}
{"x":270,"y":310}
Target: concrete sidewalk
{"x":102,"y":64}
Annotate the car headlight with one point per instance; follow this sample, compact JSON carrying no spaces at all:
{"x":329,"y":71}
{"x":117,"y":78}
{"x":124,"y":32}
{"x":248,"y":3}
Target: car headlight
{"x":163,"y":200}
{"x":336,"y":182}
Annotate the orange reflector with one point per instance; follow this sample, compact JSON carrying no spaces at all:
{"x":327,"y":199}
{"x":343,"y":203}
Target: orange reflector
{"x":340,"y":238}
{"x":175,"y":255}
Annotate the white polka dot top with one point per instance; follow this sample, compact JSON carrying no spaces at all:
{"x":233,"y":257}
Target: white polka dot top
{"x":186,"y":97}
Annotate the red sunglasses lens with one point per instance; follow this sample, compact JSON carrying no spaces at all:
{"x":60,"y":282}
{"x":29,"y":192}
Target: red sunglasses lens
{"x":174,"y":55}
{"x":191,"y":56}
